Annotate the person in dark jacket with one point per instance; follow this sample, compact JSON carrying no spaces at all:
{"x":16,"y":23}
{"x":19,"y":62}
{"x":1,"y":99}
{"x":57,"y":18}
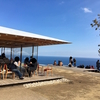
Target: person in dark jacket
{"x":26,"y":64}
{"x":74,"y":61}
{"x":4,"y":60}
{"x":32,"y":66}
{"x":97,"y":64}
{"x":70,"y":61}
{"x":26,"y":61}
{"x":14,"y":67}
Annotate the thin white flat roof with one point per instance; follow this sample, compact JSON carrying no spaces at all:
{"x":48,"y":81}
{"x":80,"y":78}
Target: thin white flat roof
{"x":15,"y":38}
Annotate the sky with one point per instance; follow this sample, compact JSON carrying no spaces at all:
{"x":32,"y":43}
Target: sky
{"x":67,"y":20}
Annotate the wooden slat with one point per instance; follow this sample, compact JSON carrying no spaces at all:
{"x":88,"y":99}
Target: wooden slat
{"x":17,"y":41}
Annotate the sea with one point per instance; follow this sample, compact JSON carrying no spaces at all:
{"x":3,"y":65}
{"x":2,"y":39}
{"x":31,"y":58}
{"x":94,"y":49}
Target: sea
{"x":79,"y":61}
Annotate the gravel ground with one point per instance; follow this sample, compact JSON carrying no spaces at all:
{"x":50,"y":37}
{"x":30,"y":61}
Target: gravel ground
{"x":83,"y":86}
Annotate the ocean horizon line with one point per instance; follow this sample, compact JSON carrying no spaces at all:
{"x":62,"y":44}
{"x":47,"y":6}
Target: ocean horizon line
{"x":69,"y":56}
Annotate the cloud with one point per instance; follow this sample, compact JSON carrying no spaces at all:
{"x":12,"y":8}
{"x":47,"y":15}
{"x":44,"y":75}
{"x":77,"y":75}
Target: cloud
{"x":61,"y":2}
{"x":86,"y":10}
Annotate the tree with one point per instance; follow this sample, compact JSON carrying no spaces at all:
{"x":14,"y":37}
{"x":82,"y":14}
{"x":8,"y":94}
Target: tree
{"x":96,"y":23}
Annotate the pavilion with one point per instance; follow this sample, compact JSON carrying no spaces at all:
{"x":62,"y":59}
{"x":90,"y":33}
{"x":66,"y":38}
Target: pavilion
{"x":11,"y":38}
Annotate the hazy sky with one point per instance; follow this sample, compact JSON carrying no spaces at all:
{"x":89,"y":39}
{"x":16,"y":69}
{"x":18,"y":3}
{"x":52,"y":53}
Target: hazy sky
{"x":63,"y":19}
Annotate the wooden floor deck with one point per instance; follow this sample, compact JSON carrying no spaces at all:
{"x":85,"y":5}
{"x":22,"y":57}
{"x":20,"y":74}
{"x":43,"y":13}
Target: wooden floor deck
{"x":17,"y":81}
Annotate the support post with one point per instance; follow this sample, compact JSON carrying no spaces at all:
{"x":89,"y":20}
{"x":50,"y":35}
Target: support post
{"x":1,"y":50}
{"x":4,"y":49}
{"x":37,"y":52}
{"x":20,"y":57}
{"x":11,"y":53}
{"x":32,"y":51}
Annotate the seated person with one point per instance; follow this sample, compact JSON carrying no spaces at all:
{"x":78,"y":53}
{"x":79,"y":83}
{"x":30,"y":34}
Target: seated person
{"x":11,"y":60}
{"x":69,"y":65}
{"x":32,"y":66}
{"x":15,"y":66}
{"x":60,"y":63}
{"x":3,"y":55}
{"x":54,"y":63}
{"x":18,"y":63}
{"x":4,"y":60}
{"x":26,"y":62}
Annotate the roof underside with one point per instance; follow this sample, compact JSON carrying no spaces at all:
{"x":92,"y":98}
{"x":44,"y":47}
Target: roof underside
{"x":15,"y":38}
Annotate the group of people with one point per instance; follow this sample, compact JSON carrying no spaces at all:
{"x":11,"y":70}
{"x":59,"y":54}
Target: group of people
{"x":72,"y":61}
{"x":60,"y":63}
{"x":15,"y":65}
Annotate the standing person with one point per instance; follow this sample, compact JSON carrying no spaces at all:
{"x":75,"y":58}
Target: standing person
{"x":74,"y":61}
{"x":97,"y":64}
{"x":71,"y":60}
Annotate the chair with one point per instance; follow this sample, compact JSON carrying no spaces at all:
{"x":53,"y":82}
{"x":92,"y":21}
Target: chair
{"x":2,"y":72}
{"x":6,"y":63}
{"x":8,"y":72}
{"x":48,"y":69}
{"x":39,"y":68}
{"x":25,"y":67}
{"x":36,"y":71}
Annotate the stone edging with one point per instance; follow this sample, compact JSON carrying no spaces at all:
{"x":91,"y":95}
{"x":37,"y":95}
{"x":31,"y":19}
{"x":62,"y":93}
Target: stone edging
{"x":45,"y":83}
